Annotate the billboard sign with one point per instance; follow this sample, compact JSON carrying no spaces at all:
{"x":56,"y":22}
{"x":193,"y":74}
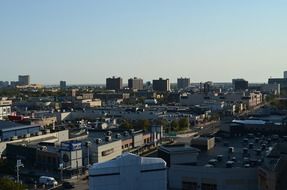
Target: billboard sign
{"x":71,"y":146}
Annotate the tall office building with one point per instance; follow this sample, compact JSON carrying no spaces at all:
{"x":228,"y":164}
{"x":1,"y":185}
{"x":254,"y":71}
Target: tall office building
{"x":161,"y":85}
{"x":183,"y":83}
{"x":207,"y":86}
{"x":63,"y":85}
{"x":23,"y":80}
{"x":4,"y":84}
{"x":114,"y":83}
{"x":240,"y":84}
{"x":281,"y":81}
{"x":135,"y":83}
{"x":285,"y":74}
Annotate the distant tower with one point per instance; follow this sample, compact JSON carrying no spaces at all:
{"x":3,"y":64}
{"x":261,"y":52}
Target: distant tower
{"x":183,"y":83}
{"x":161,"y":85}
{"x":24,"y":80}
{"x":285,"y":74}
{"x":63,"y":85}
{"x":240,"y":84}
{"x":207,"y":86}
{"x":114,"y":83}
{"x":135,"y":83}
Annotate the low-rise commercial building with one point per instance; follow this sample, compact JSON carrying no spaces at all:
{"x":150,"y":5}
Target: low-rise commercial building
{"x":102,"y":150}
{"x":13,"y":131}
{"x":232,"y":164}
{"x":272,"y":175}
{"x":48,"y":156}
{"x":88,"y":103}
{"x":129,"y":172}
{"x":56,"y":137}
{"x":5,"y":108}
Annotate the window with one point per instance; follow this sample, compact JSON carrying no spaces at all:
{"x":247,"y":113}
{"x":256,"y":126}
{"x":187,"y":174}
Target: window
{"x":206,"y":186}
{"x":186,"y":185}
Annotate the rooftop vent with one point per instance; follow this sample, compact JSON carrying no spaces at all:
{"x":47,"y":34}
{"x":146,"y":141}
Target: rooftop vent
{"x":229,"y":164}
{"x":98,"y":141}
{"x":109,"y":133}
{"x":230,"y":149}
{"x":108,"y":138}
{"x":118,"y":135}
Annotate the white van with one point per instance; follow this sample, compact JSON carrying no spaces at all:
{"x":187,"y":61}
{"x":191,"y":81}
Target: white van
{"x":50,"y":181}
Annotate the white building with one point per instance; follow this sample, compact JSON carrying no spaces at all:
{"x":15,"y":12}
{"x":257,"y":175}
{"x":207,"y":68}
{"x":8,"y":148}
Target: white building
{"x":105,"y":150}
{"x":5,"y":108}
{"x":129,"y":172}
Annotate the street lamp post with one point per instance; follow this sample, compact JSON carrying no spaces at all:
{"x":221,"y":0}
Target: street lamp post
{"x":18,"y":165}
{"x":61,"y":167}
{"x":88,"y":144}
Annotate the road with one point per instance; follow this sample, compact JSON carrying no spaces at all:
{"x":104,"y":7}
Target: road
{"x":82,"y":185}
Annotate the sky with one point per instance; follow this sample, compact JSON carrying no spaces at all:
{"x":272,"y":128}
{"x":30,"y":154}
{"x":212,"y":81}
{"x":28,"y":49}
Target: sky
{"x":86,"y":41}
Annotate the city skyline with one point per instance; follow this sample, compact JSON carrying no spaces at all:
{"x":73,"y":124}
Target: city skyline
{"x":84,"y":43}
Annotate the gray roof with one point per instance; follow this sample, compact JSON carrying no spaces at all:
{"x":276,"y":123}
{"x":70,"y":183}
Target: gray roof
{"x":8,"y":126}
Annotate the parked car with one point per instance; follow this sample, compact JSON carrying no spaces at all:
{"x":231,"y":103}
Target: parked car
{"x":68,"y":185}
{"x":49,"y":181}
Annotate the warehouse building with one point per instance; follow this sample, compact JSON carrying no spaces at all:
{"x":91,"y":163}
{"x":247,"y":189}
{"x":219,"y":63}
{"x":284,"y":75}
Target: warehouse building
{"x":129,"y":172}
{"x":13,"y":131}
{"x":238,"y":158}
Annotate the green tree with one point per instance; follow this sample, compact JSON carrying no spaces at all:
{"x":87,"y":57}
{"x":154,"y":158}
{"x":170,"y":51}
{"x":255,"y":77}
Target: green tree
{"x":162,"y":122}
{"x":126,"y":125}
{"x":143,"y":124}
{"x":6,"y":167}
{"x":174,"y":125}
{"x":183,"y":123}
{"x":7,"y":184}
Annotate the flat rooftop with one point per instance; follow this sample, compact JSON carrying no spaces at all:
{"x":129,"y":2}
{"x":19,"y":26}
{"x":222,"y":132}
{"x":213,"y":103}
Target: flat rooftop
{"x":9,"y":125}
{"x":94,"y":135}
{"x":245,"y":151}
{"x":179,"y":148}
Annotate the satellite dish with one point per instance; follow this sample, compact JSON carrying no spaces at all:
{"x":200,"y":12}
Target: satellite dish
{"x":66,"y":158}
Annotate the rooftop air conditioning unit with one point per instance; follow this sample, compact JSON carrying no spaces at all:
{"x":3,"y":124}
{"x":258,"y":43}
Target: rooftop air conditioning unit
{"x":109,"y":133}
{"x":98,"y":141}
{"x":47,"y":131}
{"x":43,"y":148}
{"x":108,"y":138}
{"x":126,"y":133}
{"x":39,"y":133}
{"x":118,"y":136}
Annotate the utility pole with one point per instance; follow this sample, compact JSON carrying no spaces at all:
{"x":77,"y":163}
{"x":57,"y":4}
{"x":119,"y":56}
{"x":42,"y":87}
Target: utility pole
{"x":18,"y":165}
{"x":88,"y":144}
{"x":77,"y":164}
{"x":61,"y":167}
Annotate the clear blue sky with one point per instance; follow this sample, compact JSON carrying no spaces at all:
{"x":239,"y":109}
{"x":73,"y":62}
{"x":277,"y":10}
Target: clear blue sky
{"x":85,"y":41}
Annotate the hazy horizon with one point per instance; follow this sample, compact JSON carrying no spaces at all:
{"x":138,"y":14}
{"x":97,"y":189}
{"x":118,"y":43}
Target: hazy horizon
{"x":84,"y":42}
